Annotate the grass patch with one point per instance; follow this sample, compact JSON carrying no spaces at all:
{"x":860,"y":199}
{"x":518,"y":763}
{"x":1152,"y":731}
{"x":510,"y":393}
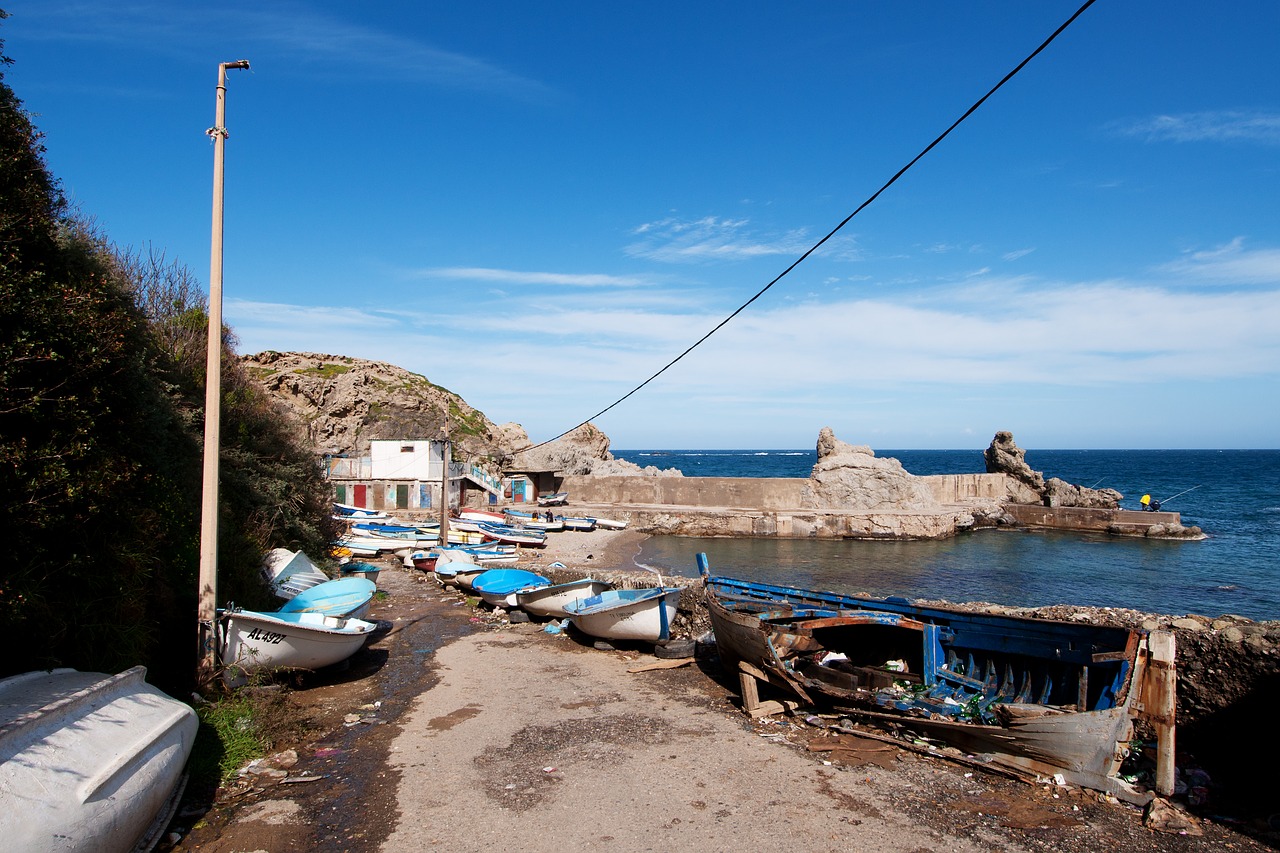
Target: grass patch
{"x":239,"y":727}
{"x":327,"y":370}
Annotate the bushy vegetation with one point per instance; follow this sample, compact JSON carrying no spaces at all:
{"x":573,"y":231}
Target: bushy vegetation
{"x":102,"y":372}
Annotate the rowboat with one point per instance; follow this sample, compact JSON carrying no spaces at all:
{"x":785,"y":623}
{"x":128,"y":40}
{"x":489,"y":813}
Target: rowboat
{"x":342,"y":597}
{"x":356,"y":569}
{"x":513,"y":535}
{"x":290,"y":572}
{"x":580,"y":524}
{"x":551,"y":601}
{"x":1035,"y":696}
{"x":627,"y":614}
{"x":459,"y":573}
{"x":500,"y":586}
{"x":254,"y":641}
{"x":473,"y":514}
{"x":545,"y":522}
{"x":553,"y":499}
{"x":348,"y":512}
{"x":90,"y":761}
{"x":610,"y":524}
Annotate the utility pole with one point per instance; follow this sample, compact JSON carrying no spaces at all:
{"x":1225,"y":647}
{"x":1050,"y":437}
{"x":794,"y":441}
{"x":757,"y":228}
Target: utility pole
{"x":208,"y":589}
{"x":444,"y":487}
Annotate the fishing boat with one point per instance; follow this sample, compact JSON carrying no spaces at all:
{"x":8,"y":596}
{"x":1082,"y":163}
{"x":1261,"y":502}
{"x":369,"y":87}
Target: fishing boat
{"x":499,"y":587}
{"x":545,"y":522}
{"x":342,"y":597}
{"x":508,"y":534}
{"x":290,"y":572}
{"x":90,"y":761}
{"x":458,"y":572}
{"x":551,"y":601}
{"x":553,"y":499}
{"x":579,"y":524}
{"x":610,"y":524}
{"x":627,"y":614}
{"x":252,"y":641}
{"x":1035,"y":696}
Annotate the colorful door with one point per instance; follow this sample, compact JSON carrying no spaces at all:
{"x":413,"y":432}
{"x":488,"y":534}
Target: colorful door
{"x":360,"y":498}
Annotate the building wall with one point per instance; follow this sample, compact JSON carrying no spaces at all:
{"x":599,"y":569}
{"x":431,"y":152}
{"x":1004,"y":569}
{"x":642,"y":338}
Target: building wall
{"x":406,"y":460}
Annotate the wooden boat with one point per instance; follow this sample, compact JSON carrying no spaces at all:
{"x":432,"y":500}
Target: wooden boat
{"x":500,"y":586}
{"x":1032,"y":695}
{"x":342,"y":597}
{"x":553,"y":499}
{"x":290,"y":572}
{"x":627,"y":614}
{"x":610,"y":524}
{"x":545,"y":522}
{"x":551,"y":601}
{"x":252,"y":641}
{"x":374,"y":545}
{"x":90,"y":761}
{"x":579,"y":524}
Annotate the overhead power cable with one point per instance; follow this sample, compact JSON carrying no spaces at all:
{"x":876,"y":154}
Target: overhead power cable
{"x":762,"y":291}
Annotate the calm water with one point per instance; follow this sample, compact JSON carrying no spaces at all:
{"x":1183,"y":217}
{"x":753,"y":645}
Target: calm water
{"x":1234,"y":497}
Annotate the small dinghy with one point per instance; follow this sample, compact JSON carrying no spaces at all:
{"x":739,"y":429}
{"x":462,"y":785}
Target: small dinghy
{"x":627,"y":614}
{"x":343,"y":597}
{"x":368,"y":571}
{"x":551,"y":601}
{"x":459,"y":573}
{"x":90,"y":761}
{"x":500,"y":586}
{"x":253,"y":641}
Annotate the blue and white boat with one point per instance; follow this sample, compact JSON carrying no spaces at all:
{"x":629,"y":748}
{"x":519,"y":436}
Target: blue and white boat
{"x":500,"y":586}
{"x":551,"y":601}
{"x":357,"y":569}
{"x":627,"y":614}
{"x":342,"y":597}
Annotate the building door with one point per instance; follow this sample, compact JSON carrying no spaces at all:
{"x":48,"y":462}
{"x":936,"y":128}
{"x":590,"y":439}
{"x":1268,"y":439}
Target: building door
{"x":402,"y":495}
{"x":360,"y":498}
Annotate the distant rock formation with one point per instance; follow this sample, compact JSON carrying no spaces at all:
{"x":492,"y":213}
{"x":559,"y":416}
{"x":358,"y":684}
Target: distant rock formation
{"x":1029,"y":486}
{"x":849,"y":476}
{"x":584,"y":450}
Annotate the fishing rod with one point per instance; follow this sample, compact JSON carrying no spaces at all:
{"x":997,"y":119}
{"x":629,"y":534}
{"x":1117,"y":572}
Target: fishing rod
{"x":1181,"y":493}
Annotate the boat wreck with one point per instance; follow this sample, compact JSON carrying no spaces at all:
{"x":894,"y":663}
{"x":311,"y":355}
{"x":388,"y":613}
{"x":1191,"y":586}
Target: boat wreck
{"x":1037,"y":697}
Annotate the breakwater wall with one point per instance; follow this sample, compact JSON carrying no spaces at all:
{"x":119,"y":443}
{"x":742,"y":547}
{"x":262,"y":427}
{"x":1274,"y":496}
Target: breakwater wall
{"x":787,"y":508}
{"x":759,"y":493}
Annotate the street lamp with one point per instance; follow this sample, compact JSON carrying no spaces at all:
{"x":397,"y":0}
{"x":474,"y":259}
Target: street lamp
{"x":208,"y":586}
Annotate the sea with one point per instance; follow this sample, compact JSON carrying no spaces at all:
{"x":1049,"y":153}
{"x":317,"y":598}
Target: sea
{"x":1233,"y":495}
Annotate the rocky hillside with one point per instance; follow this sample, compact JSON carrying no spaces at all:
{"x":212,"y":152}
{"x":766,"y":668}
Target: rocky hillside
{"x":341,"y":403}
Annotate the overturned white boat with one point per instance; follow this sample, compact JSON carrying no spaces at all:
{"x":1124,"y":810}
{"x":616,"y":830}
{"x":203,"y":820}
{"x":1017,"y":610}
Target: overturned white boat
{"x":291,"y":572}
{"x":627,"y":614}
{"x":89,"y":761}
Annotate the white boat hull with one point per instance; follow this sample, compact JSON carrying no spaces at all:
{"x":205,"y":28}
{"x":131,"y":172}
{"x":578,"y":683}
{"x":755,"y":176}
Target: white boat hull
{"x":550,"y":601}
{"x":646,"y":619}
{"x":263,"y":641}
{"x":91,"y":762}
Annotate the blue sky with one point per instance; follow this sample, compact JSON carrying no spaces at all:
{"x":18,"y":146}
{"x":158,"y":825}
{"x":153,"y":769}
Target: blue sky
{"x":539,"y":205}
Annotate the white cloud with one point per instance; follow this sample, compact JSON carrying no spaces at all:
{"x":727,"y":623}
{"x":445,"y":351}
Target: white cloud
{"x":528,"y":277}
{"x":711,"y":238}
{"x":1220,"y":126}
{"x":1230,"y":264}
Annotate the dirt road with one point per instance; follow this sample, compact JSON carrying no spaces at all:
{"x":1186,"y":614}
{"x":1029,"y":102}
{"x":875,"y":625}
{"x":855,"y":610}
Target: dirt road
{"x":459,"y":733}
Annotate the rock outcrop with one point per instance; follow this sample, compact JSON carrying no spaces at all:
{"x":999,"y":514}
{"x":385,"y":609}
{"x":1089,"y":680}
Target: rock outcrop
{"x":341,"y":403}
{"x":584,"y":450}
{"x":852,"y":477}
{"x":1029,"y":486}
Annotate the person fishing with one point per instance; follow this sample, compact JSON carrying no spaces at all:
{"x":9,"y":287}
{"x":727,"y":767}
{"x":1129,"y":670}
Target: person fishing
{"x":1150,"y":504}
